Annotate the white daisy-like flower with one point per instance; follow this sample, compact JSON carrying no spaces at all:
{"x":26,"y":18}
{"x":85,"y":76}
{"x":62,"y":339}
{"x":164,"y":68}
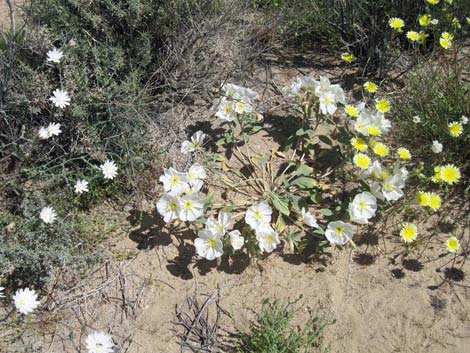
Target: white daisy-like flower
{"x":54,"y":129}
{"x":362,"y":208}
{"x":258,"y":214}
{"x":109,"y":169}
{"x":191,"y":207}
{"x":55,"y":55}
{"x":48,"y":215}
{"x":268,"y":238}
{"x":208,"y":245}
{"x":174,"y":181}
{"x":197,"y":140}
{"x":25,"y":300}
{"x":60,"y":98}
{"x":168,"y":207}
{"x":221,"y":225}
{"x":437,"y":147}
{"x":464,"y":120}
{"x":99,"y":342}
{"x":43,"y":133}
{"x":339,"y":232}
{"x":81,"y":186}
{"x":416,"y":119}
{"x":236,"y":239}
{"x":308,"y":218}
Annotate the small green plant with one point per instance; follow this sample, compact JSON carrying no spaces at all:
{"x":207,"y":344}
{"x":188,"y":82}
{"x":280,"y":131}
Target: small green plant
{"x":273,"y":331}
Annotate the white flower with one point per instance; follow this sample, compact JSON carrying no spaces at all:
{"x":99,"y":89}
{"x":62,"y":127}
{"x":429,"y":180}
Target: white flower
{"x":43,"y":133}
{"x":219,"y":227}
{"x":339,"y":232}
{"x":434,"y":21}
{"x":196,"y":174}
{"x":1,"y":292}
{"x":362,"y":208}
{"x":243,"y":106}
{"x":54,"y":129}
{"x":226,"y":110}
{"x":51,"y":130}
{"x":416,"y":119}
{"x":302,"y":85}
{"x":268,"y":239}
{"x":258,"y":214}
{"x":194,"y":187}
{"x":238,"y":92}
{"x":168,"y":207}
{"x":197,"y":140}
{"x":55,"y":55}
{"x":464,"y":120}
{"x":25,"y":300}
{"x":99,"y":342}
{"x":191,"y":207}
{"x":109,"y":169}
{"x":48,"y":215}
{"x":368,"y":119}
{"x":376,"y":190}
{"x":174,"y":181}
{"x":236,"y":239}
{"x":60,"y":98}
{"x":436,"y":147}
{"x":327,"y":103}
{"x":208,"y":245}
{"x":392,"y":187}
{"x":308,"y":218}
{"x":81,"y":186}
{"x":326,"y":87}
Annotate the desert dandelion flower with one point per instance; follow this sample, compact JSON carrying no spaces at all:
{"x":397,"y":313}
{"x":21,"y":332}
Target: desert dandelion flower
{"x":396,"y":23}
{"x":348,"y":57}
{"x":413,"y":36}
{"x":55,"y":56}
{"x":409,"y":232}
{"x":370,"y":87}
{"x":455,"y":129}
{"x":452,"y":244}
{"x":404,"y":153}
{"x":383,"y":105}
{"x":449,"y":174}
{"x":362,"y":160}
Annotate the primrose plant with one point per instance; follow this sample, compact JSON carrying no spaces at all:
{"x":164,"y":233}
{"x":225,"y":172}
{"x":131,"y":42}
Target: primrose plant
{"x":291,"y":195}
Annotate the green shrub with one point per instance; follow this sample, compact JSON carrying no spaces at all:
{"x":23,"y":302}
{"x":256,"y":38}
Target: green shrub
{"x":438,"y":94}
{"x":361,"y":26}
{"x":273,"y":331}
{"x":112,"y":51}
{"x":31,"y":252}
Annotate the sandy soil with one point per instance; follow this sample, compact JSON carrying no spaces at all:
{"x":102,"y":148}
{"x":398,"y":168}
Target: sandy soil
{"x":380,"y":303}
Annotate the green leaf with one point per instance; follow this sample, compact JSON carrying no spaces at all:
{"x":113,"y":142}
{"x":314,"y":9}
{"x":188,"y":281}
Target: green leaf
{"x":326,"y":212}
{"x":300,"y":132}
{"x":208,"y":201}
{"x":303,"y":169}
{"x":325,"y":139}
{"x":280,"y":204}
{"x":305,"y":182}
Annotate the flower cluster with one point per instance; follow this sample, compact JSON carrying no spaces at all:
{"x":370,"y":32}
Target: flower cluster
{"x":236,"y":102}
{"x":182,"y":200}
